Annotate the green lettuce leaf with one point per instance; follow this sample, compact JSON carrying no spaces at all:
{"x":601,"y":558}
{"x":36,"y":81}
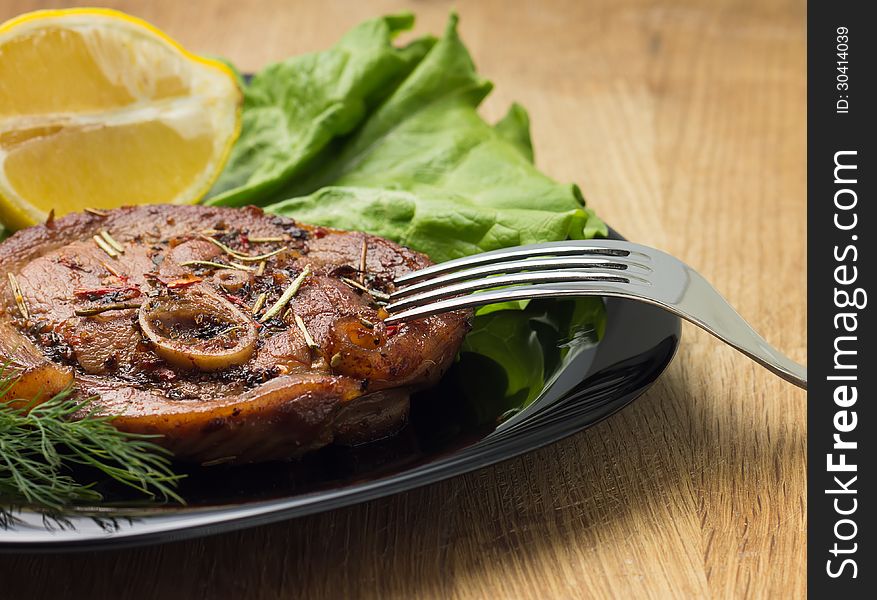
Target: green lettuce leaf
{"x":425,"y":170}
{"x":391,"y":142}
{"x":294,"y":108}
{"x":439,"y":223}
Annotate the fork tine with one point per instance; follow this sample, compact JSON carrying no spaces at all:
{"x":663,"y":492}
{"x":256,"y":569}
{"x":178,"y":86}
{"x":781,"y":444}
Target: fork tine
{"x":516,"y":279}
{"x":627,"y":271}
{"x":608,"y":248}
{"x":621,"y":264}
{"x":594,"y":287}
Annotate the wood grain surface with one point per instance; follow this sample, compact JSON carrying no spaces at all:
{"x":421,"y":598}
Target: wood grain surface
{"x":684,"y":123}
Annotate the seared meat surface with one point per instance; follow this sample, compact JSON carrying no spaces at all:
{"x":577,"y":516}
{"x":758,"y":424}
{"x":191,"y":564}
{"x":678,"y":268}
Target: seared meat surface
{"x":238,"y":336}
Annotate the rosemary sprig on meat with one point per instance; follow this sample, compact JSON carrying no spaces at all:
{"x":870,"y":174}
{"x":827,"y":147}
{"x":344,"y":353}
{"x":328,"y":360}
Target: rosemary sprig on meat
{"x":240,"y":255}
{"x":215,"y":265}
{"x":19,"y":297}
{"x":111,"y":241}
{"x":304,"y":330}
{"x":260,"y":301}
{"x":113,"y":271}
{"x":96,"y":310}
{"x":267,"y":240}
{"x":379,"y":295}
{"x":362,"y":260}
{"x":105,"y":246}
{"x":96,"y":212}
{"x":286,"y":296}
{"x":50,"y":459}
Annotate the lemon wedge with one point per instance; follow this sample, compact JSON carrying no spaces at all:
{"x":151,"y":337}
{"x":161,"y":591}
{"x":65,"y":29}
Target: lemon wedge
{"x":100,"y":109}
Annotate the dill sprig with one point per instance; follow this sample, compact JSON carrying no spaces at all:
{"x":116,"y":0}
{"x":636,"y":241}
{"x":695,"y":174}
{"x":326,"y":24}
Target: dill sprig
{"x":44,"y":452}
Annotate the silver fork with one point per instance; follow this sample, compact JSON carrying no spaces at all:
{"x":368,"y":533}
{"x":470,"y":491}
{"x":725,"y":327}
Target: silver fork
{"x":584,"y":268}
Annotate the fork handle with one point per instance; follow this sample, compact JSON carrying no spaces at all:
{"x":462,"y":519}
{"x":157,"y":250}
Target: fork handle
{"x":706,"y":308}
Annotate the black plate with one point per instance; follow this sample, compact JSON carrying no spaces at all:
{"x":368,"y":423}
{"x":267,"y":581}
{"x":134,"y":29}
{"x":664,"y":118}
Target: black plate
{"x":448,"y":434}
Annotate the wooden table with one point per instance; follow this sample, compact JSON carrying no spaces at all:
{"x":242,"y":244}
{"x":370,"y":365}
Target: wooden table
{"x":684,"y":122}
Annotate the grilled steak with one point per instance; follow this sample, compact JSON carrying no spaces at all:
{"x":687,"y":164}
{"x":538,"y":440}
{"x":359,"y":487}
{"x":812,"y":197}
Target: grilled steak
{"x":238,"y":336}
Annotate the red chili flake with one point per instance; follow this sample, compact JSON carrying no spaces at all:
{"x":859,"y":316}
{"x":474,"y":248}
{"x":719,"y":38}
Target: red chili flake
{"x":103,"y":291}
{"x":154,"y":277}
{"x":245,"y":241}
{"x":181,"y":283}
{"x":91,"y":291}
{"x":236,"y":300}
{"x":177,"y":240}
{"x":319,"y":232}
{"x":392,"y":330}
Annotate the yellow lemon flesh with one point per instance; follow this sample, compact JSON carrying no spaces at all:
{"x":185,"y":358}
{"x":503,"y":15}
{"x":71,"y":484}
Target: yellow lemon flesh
{"x":99,"y":109}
